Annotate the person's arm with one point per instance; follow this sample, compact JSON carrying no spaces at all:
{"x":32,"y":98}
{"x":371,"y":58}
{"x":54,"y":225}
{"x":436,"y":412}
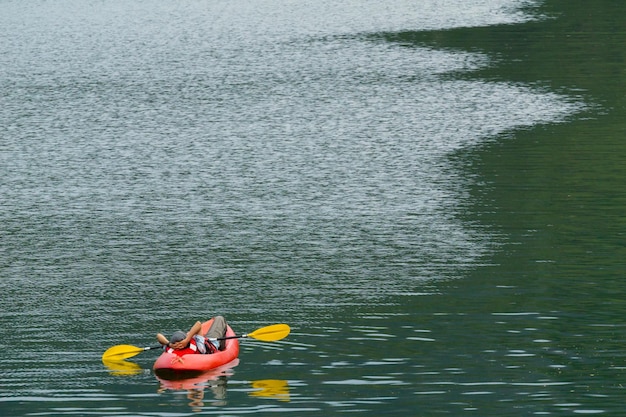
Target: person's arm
{"x":162,"y":339}
{"x":195,"y":329}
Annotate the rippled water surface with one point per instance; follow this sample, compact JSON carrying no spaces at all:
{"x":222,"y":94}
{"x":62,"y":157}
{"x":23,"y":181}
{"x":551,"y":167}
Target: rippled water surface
{"x":378,"y":175}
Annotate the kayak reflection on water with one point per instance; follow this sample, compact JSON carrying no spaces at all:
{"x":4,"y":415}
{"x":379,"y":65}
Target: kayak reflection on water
{"x":276,"y":389}
{"x":217,"y":381}
{"x":195,"y":393}
{"x":196,"y":383}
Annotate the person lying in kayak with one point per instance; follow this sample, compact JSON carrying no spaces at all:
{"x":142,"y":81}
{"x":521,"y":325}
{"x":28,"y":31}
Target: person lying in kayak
{"x":181,"y":343}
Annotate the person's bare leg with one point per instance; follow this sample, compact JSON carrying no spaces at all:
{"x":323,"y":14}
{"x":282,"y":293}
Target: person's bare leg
{"x":217,"y":330}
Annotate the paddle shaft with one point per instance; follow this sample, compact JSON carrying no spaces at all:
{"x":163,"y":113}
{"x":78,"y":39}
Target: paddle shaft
{"x":228,"y":337}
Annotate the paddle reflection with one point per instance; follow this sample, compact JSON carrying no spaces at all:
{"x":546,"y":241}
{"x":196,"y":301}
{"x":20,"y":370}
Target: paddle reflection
{"x":277,"y":389}
{"x":122,"y":368}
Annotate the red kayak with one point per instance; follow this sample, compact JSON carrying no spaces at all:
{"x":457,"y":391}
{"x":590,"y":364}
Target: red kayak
{"x":168,"y":363}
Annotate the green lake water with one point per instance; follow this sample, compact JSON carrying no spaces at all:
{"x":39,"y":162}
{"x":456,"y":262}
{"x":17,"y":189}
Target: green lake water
{"x":429,"y":193}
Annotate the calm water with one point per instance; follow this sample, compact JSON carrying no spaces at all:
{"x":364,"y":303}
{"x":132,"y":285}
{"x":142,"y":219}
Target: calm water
{"x":429,"y":192}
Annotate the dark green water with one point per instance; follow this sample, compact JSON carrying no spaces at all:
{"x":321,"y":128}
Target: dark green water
{"x":548,"y":314}
{"x":431,"y":196}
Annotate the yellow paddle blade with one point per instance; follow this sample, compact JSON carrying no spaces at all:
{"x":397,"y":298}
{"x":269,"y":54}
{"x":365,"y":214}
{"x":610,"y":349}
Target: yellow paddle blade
{"x":270,"y":333}
{"x":121,"y":352}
